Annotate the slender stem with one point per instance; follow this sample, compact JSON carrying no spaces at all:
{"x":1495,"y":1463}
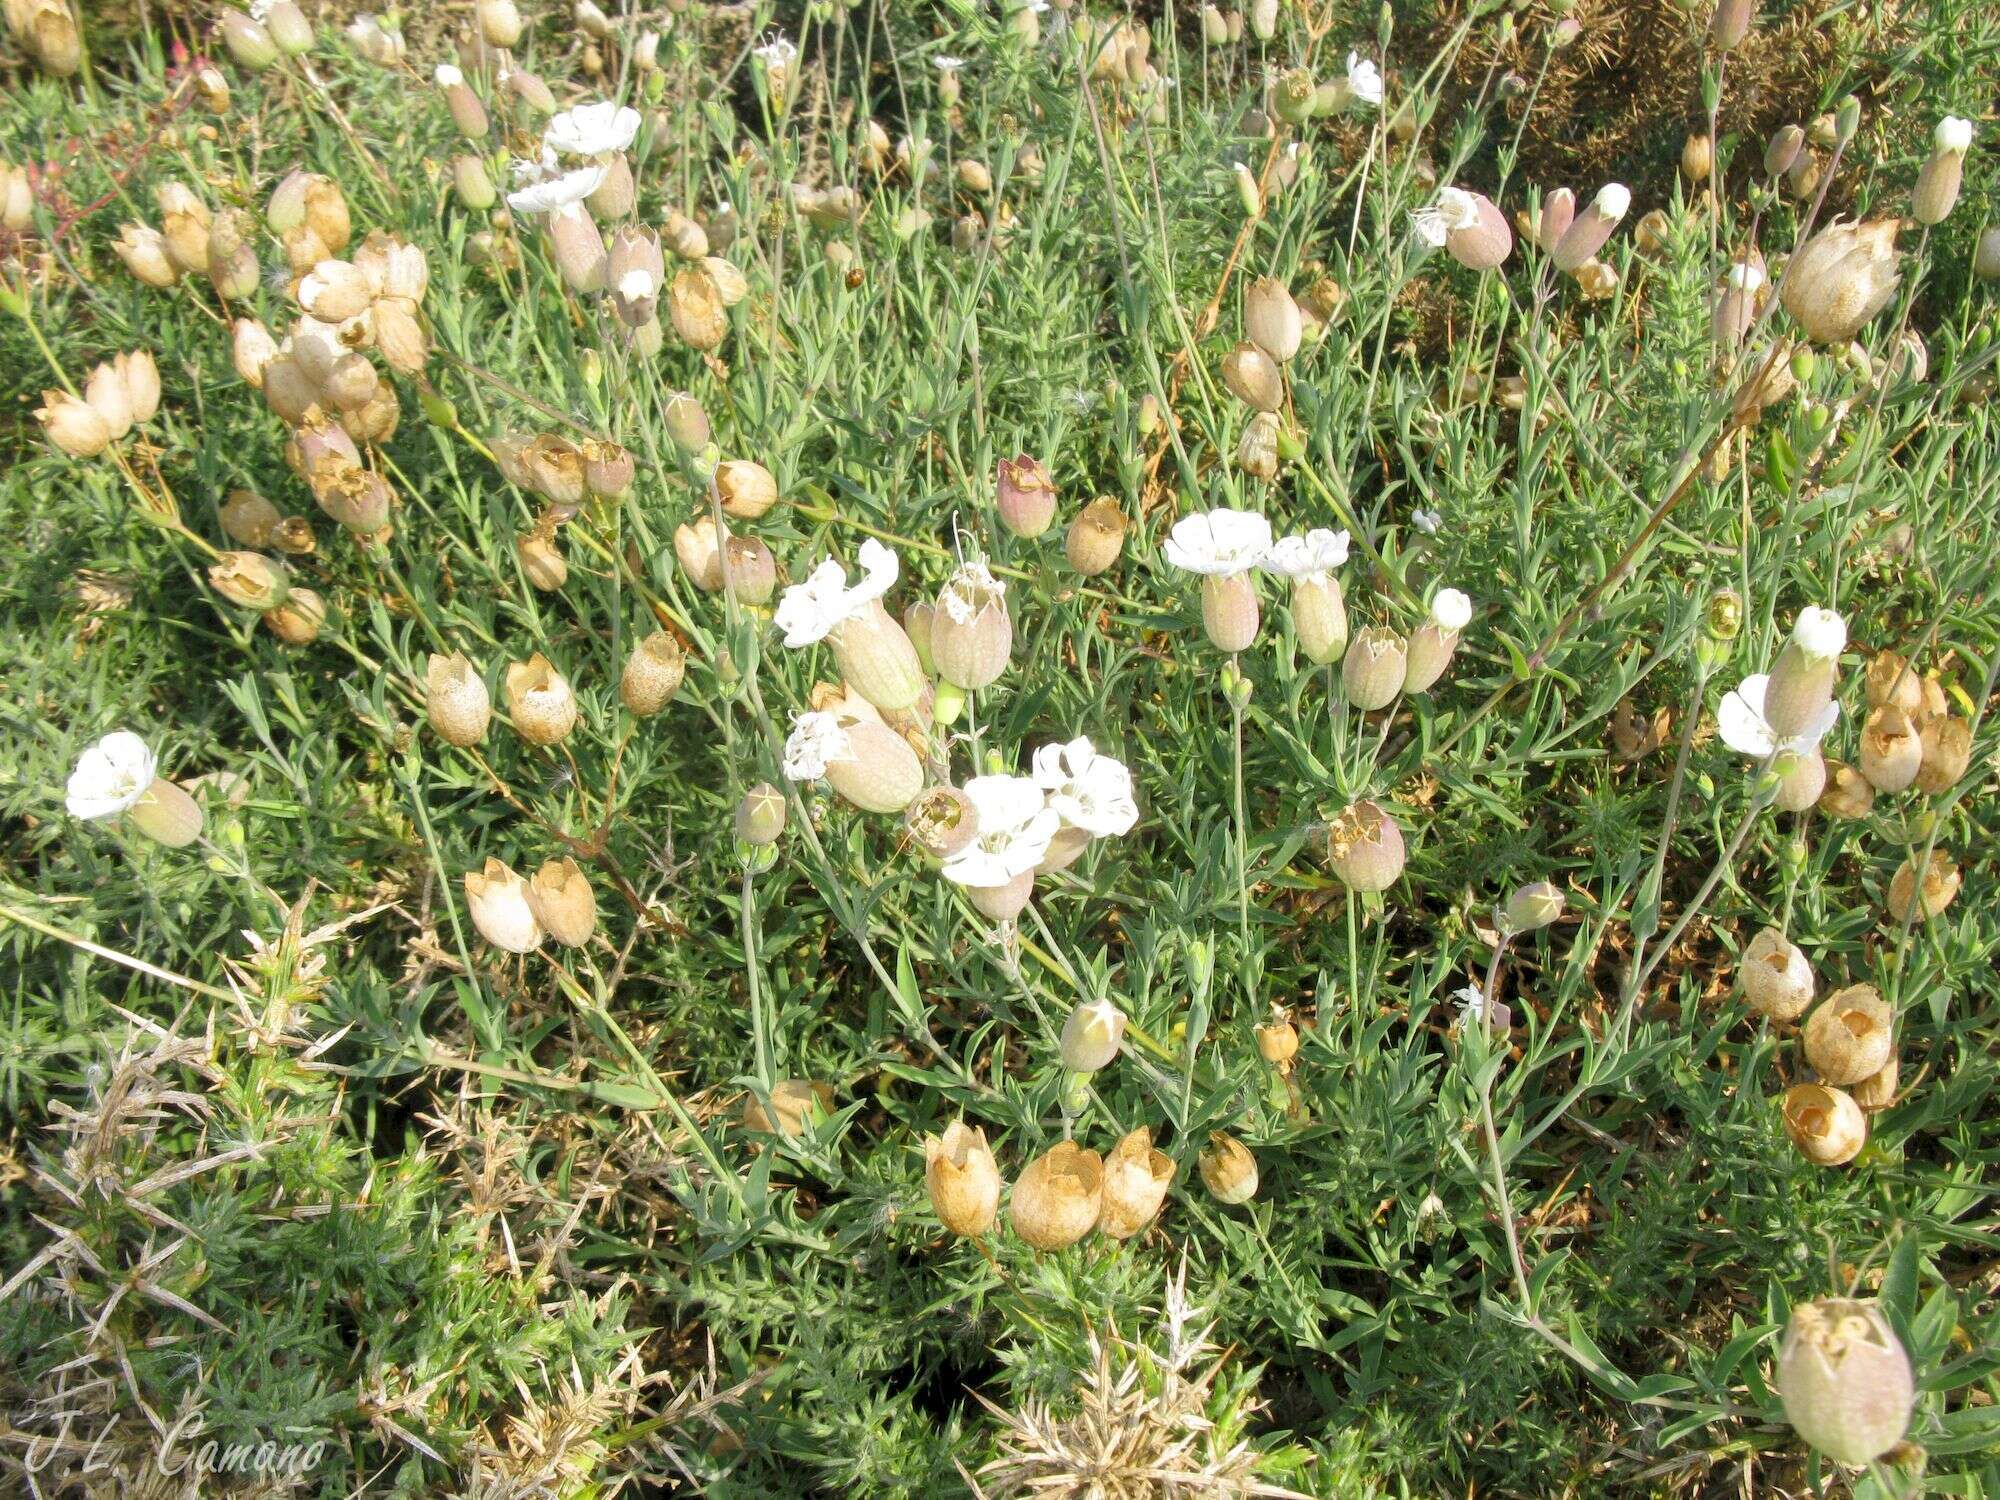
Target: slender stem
{"x":760,"y":1023}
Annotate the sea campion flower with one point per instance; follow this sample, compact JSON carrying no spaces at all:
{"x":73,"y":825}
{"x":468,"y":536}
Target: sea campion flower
{"x":1741,"y":722}
{"x":110,"y":777}
{"x":816,"y":742}
{"x":1015,"y":826}
{"x":875,"y":654}
{"x":810,"y":611}
{"x":1931,"y":200}
{"x":1363,"y":84}
{"x":593,"y":130}
{"x":1224,"y":547}
{"x":1088,"y":791}
{"x":1319,"y":611}
{"x":1467,"y":225}
{"x":547,"y":189}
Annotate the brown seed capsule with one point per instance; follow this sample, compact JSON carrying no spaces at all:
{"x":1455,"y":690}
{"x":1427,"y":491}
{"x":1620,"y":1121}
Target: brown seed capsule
{"x":694,"y":306}
{"x":248,"y":518}
{"x":456,"y":700}
{"x":74,"y":426}
{"x":1096,"y":537}
{"x":298,"y":621}
{"x":941,"y":821}
{"x":498,"y":899}
{"x":540,"y":701}
{"x":563,"y":903}
{"x":700,"y":556}
{"x":1891,"y":749}
{"x":1136,"y":1178}
{"x":963,"y":1179}
{"x":1847,"y":794}
{"x":541,"y":561}
{"x":747,"y":488}
{"x":796,"y":1104}
{"x":249,"y":580}
{"x":1058,"y":1197}
{"x":1278,"y":1041}
{"x":1253,"y":377}
{"x":1891,"y":680}
{"x":1228,"y":1170}
{"x":1845,"y":1380}
{"x":1271,"y":319}
{"x":1911,"y":898}
{"x":1373,"y":670}
{"x":1877,"y":1091}
{"x":1697,"y":158}
{"x":760,"y":816}
{"x":1365,"y":848}
{"x":140,"y":246}
{"x":1775,"y":976}
{"x":1947,"y":753}
{"x":1851,"y":1036}
{"x":1841,"y":278}
{"x":1025,"y":496}
{"x":1825,"y":1124}
{"x":652,"y":674}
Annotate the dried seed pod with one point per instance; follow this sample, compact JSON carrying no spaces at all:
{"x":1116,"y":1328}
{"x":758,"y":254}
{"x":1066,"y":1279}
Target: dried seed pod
{"x":1253,"y":377}
{"x":1825,"y":1124}
{"x":498,"y":899}
{"x":1851,"y":1036}
{"x":248,"y":518}
{"x":1845,"y":1380}
{"x":1891,"y":681}
{"x":1912,"y":898}
{"x":652,"y":674}
{"x":1024,"y":495}
{"x":700,"y":554}
{"x":795,"y":1105}
{"x":542,"y":561}
{"x":249,"y":580}
{"x":456,"y":700}
{"x":694,"y":306}
{"x":751,"y":571}
{"x":1136,"y":1178}
{"x":1271,"y":319}
{"x":540,"y":701}
{"x":963,"y":1179}
{"x":1365,"y":848}
{"x":1877,"y":1091}
{"x":941,"y":821}
{"x":1947,"y":753}
{"x":1278,"y":1041}
{"x":747,"y":488}
{"x":1841,"y":278}
{"x":1847,"y":794}
{"x":1058,"y":1197}
{"x":563,"y":902}
{"x":1892,"y":751}
{"x":298,"y":621}
{"x":1775,"y":976}
{"x":1096,"y":537}
{"x":1257,"y":449}
{"x":1228,"y":1170}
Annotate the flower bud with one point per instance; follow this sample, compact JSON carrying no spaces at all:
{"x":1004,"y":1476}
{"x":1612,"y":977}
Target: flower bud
{"x":468,"y":114}
{"x":1136,"y":1178}
{"x":1775,"y":976}
{"x":1024,"y":496}
{"x":963,"y":1179}
{"x":751,"y":574}
{"x":499,"y":22}
{"x":1782,"y":151}
{"x":1096,"y":537}
{"x":1092,"y":1035}
{"x":1228,"y":1170}
{"x":1841,"y":278}
{"x":760,"y":816}
{"x":687,"y":422}
{"x":248,"y":518}
{"x":1229,"y":610}
{"x":1936,"y":192}
{"x":1373,"y":670}
{"x":747,"y":488}
{"x":1271,"y":319}
{"x":473,"y":184}
{"x":881,"y":773}
{"x":1253,"y":377}
{"x":249,"y":580}
{"x":1847,"y":794}
{"x":498,"y":899}
{"x":1851,"y":1036}
{"x":1947,"y":753}
{"x":1432,"y":645}
{"x":1825,"y":1124}
{"x":1058,"y":1196}
{"x":1801,"y":778}
{"x":166,"y":814}
{"x":1892,"y":752}
{"x":877,"y":659}
{"x":1801,"y":682}
{"x":529,"y":88}
{"x":540,"y":701}
{"x":1845,"y":1380}
{"x":249,"y":43}
{"x":1730,"y":23}
{"x":1912,"y":898}
{"x":652,"y":674}
{"x":1587,"y":234}
{"x":1533,"y":907}
{"x":1364,"y":848}
{"x":563,"y":903}
{"x":971,"y":634}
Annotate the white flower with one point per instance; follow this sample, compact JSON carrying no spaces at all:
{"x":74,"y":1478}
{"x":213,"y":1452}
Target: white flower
{"x":1613,"y":199}
{"x":1820,"y":632}
{"x":1954,"y":134}
{"x":592,"y":129}
{"x":1741,"y":723}
{"x":1015,"y":826}
{"x":1451,"y":610}
{"x":946,"y":64}
{"x":1453,"y":208}
{"x":552,"y":194}
{"x":817,"y":740}
{"x":1312,"y":556}
{"x":1746,"y":277}
{"x":1364,"y":79}
{"x":1219,"y":542}
{"x":808,"y":611}
{"x":779,"y":53}
{"x":259,"y":9}
{"x":1471,"y":1004}
{"x":1087,"y":790}
{"x":110,"y":776}
{"x":1426,"y":521}
{"x":637,"y":285}
{"x":447,"y":76}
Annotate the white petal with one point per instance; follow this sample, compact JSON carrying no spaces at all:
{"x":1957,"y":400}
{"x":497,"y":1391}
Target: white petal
{"x":1740,"y":719}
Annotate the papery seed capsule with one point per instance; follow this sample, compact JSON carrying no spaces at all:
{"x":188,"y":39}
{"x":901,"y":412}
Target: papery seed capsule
{"x":1845,"y":1380}
{"x":1257,"y":450}
{"x":881,"y":774}
{"x":694,"y":306}
{"x":456,"y":700}
{"x":1365,"y":848}
{"x":1253,"y":377}
{"x":298,"y":621}
{"x":248,"y":518}
{"x":1373,"y":670}
{"x":249,"y":580}
{"x":1890,"y":679}
{"x":1892,"y":751}
{"x":1912,"y":898}
{"x":107,"y":394}
{"x":796,"y":1104}
{"x":1851,"y":1036}
{"x":1096,"y":537}
{"x":1278,"y":1041}
{"x":563,"y":902}
{"x":1024,"y":495}
{"x":1841,"y":278}
{"x":542,"y":561}
{"x":963,"y":1179}
{"x":1698,"y":158}
{"x":1775,"y":976}
{"x":1271,"y":319}
{"x":142,"y":248}
{"x":652,"y":674}
{"x":1228,"y":1170}
{"x":1877,"y":1091}
{"x":1092,"y":1035}
{"x":1947,"y":753}
{"x":1136,"y":1178}
{"x":1847,"y":793}
{"x":941,"y":821}
{"x":700,"y":554}
{"x":747,"y":488}
{"x":358,"y":499}
{"x":1825,"y":1124}
{"x":540,"y":701}
{"x":498,"y":899}
{"x":1058,"y":1197}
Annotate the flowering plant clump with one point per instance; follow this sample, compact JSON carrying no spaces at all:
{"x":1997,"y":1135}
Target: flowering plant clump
{"x":1034,"y":749}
